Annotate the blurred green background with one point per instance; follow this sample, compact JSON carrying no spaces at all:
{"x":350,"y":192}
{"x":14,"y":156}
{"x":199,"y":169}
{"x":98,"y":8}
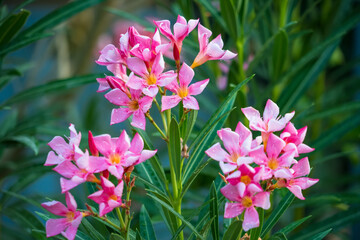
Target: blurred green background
{"x":304,"y":54}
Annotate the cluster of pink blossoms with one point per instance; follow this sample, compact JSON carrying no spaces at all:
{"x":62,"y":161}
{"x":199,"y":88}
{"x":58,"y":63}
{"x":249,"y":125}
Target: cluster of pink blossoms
{"x":135,"y":92}
{"x":119,"y":156}
{"x":253,"y":168}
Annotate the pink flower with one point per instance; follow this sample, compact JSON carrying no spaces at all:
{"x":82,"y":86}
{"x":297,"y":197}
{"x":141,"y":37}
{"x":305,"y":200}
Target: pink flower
{"x":297,"y":182}
{"x":109,"y":197}
{"x":64,"y":150}
{"x":183,"y":92}
{"x":84,"y":170}
{"x":134,"y":105}
{"x":66,"y":226}
{"x":237,"y":144}
{"x":276,"y":164}
{"x":182,"y":28}
{"x":150,"y":80}
{"x":245,"y":198}
{"x":120,"y":152}
{"x":292,"y":135}
{"x":270,"y":122}
{"x":114,"y":60}
{"x":111,"y":82}
{"x":210,"y":50}
{"x":246,"y":174}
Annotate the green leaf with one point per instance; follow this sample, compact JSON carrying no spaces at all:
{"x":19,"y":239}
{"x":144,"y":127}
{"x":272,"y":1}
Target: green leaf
{"x":52,"y":87}
{"x":190,"y":124}
{"x":175,"y":149}
{"x":12,"y":25}
{"x":293,"y":225}
{"x":278,"y":236}
{"x":228,"y":13}
{"x":193,"y":176}
{"x":214,"y":12}
{"x":130,"y":17}
{"x":279,"y":53}
{"x":26,"y":140}
{"x":146,"y":228}
{"x":336,"y":221}
{"x":58,"y":16}
{"x":6,"y":75}
{"x":150,"y":185}
{"x":214,"y":212}
{"x":321,"y":235}
{"x":234,"y":230}
{"x":208,"y":133}
{"x":277,"y":213}
{"x":22,"y":198}
{"x":168,"y":207}
{"x":255,"y":232}
{"x":115,"y":236}
{"x":91,"y":230}
{"x":9,"y":123}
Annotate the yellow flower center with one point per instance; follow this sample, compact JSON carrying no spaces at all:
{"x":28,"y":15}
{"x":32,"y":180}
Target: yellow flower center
{"x":245,"y":179}
{"x":70,"y":216}
{"x":183,"y":92}
{"x":246,"y":202}
{"x":115,"y":158}
{"x":113,"y":197}
{"x":134,"y":105}
{"x":151,"y":79}
{"x":234,"y":157}
{"x":273,"y":164}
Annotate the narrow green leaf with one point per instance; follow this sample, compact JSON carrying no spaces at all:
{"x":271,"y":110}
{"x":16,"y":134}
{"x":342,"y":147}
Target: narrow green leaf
{"x":149,"y":185}
{"x":22,"y":198}
{"x":51,"y":87}
{"x":12,"y":26}
{"x":91,"y":230}
{"x":175,"y":148}
{"x":208,"y":133}
{"x":57,"y":16}
{"x":6,"y":75}
{"x":255,"y":232}
{"x":278,"y":236}
{"x":168,"y":207}
{"x":190,"y":124}
{"x":293,"y":225}
{"x":228,"y":13}
{"x":146,"y":228}
{"x":214,"y":212}
{"x":321,"y":235}
{"x":234,"y":230}
{"x":336,"y":221}
{"x":214,"y":12}
{"x":9,"y":123}
{"x":279,"y":53}
{"x":277,"y":213}
{"x":130,"y":17}
{"x":26,"y":140}
{"x":193,"y":176}
{"x":205,"y":230}
{"x":115,"y":236}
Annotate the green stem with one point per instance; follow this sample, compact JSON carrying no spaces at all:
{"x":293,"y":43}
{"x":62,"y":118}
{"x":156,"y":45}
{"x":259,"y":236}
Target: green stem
{"x":156,"y":126}
{"x":240,"y":55}
{"x":162,"y":116}
{"x":122,"y":223}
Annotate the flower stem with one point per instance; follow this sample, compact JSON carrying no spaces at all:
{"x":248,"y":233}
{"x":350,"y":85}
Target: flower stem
{"x":122,"y":223}
{"x":157,"y":127}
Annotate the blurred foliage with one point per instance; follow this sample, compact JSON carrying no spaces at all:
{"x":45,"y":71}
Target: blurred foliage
{"x":305,"y":57}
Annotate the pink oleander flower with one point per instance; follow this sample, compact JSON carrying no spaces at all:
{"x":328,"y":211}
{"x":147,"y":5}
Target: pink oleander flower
{"x":82,"y":172}
{"x":182,"y":28}
{"x":114,"y":60}
{"x":147,"y":48}
{"x":183,"y":92}
{"x":210,"y":50}
{"x":271,"y":121}
{"x":65,"y":151}
{"x":292,"y":135}
{"x":149,"y":81}
{"x":245,"y":198}
{"x":111,"y":82}
{"x":297,"y":182}
{"x":272,"y":160}
{"x":120,"y":152}
{"x":247,"y":174}
{"x":109,"y":197}
{"x":133,"y":104}
{"x":237,"y":144}
{"x":66,"y":226}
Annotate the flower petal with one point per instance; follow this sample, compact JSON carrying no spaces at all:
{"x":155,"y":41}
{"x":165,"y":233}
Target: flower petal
{"x":233,"y":210}
{"x":190,"y":102}
{"x":251,"y":219}
{"x":168,"y":102}
{"x":198,"y":87}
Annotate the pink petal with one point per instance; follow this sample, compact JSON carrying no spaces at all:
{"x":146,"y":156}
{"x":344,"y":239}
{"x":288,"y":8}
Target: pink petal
{"x":230,"y":140}
{"x":137,"y":66}
{"x":251,"y":219}
{"x":173,"y":86}
{"x":253,"y":116}
{"x":245,"y":136}
{"x":203,"y":36}
{"x":117,"y":171}
{"x":52,"y":159}
{"x":55,"y":207}
{"x":192,"y":24}
{"x":164,"y":27}
{"x":180,"y":31}
{"x":274,"y":146}
{"x":283,"y":173}
{"x":258,"y":155}
{"x":296,"y":190}
{"x":137,"y":144}
{"x":66,"y":169}
{"x":158,"y":65}
{"x":233,"y":210}
{"x":145,"y":103}
{"x":287,"y":159}
{"x":151,"y":91}
{"x":234,"y":178}
{"x":305,"y":182}
{"x":302,"y":168}
{"x":253,"y":188}
{"x":70,"y":202}
{"x":186,"y":74}
{"x":168,"y":102}
{"x":56,"y":226}
{"x":231,"y":192}
{"x":271,"y":111}
{"x":228,"y":55}
{"x":119,"y":115}
{"x":67,"y":185}
{"x":134,"y":82}
{"x":104,"y":144}
{"x":117,"y":97}
{"x":166,"y":78}
{"x":227,"y":167}
{"x":122,"y":143}
{"x":146,"y":154}
{"x":190,"y":102}
{"x":197,"y":88}
{"x":262,"y":200}
{"x":70,"y":232}
{"x":97,"y":164}
{"x":244,"y":160}
{"x":303,"y":148}
{"x":59,"y":145}
{"x":217,"y":153}
{"x":138,"y":120}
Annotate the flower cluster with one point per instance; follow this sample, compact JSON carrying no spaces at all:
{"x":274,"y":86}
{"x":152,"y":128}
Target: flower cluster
{"x":253,"y":168}
{"x":119,"y":156}
{"x":143,"y":57}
